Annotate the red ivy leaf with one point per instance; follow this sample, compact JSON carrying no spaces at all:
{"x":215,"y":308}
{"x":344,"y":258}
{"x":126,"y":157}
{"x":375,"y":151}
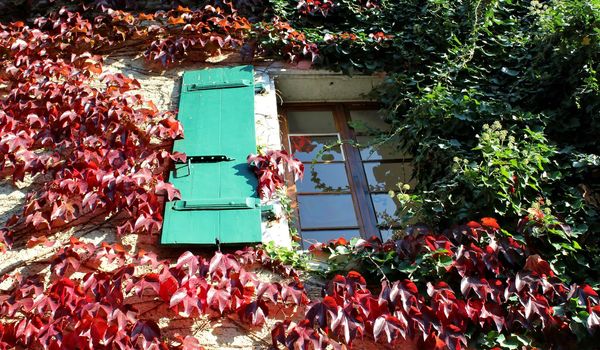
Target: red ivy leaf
{"x":536,"y":264}
{"x":219,"y":299}
{"x":147,"y":329}
{"x":168,"y":287}
{"x":33,"y":241}
{"x":490,"y":223}
{"x":255,"y":312}
{"x":391,"y":326}
{"x":318,"y":312}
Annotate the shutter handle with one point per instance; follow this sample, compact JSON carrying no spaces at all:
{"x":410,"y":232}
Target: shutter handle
{"x":187,"y":166}
{"x":217,"y":203}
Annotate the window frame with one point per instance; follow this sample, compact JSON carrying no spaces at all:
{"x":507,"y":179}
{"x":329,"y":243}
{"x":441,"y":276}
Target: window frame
{"x":353,"y":163}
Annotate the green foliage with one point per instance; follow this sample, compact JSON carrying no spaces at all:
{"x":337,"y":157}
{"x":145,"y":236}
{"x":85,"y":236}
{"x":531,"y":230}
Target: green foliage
{"x":293,"y":256}
{"x":547,"y":236}
{"x":455,"y":66}
{"x":496,"y":340}
{"x":511,"y":171}
{"x":528,"y":69}
{"x":410,"y":211}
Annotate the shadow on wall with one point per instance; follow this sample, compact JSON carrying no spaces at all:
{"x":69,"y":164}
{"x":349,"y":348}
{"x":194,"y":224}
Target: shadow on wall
{"x":12,"y":197}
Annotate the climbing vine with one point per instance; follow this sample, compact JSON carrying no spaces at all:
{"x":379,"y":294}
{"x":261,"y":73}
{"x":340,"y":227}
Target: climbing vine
{"x":482,"y":87}
{"x":489,"y":293}
{"x":99,"y":150}
{"x":100,"y":310}
{"x":270,"y":167}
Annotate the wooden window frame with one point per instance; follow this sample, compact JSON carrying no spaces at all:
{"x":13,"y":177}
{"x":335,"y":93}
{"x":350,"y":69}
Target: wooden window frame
{"x":357,"y":179}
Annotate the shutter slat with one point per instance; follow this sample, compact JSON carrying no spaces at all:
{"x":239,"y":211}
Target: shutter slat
{"x":216,"y":109}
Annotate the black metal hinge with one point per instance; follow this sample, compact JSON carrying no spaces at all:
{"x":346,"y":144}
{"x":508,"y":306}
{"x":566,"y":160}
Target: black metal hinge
{"x":200,"y":159}
{"x":209,"y":159}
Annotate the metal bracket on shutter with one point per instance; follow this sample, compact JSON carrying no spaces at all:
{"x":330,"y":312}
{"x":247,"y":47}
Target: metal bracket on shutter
{"x":202,"y":159}
{"x":220,"y":85}
{"x":267,"y":212}
{"x":217,"y":204}
{"x":260,"y":88}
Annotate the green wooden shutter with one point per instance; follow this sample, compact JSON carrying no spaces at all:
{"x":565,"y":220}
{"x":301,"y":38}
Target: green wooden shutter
{"x":219,"y":199}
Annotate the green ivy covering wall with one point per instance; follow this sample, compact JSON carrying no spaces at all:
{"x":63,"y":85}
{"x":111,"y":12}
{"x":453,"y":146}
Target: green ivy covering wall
{"x":498,"y":101}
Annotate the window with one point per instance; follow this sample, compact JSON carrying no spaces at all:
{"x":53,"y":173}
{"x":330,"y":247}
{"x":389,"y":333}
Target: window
{"x":347,"y":178}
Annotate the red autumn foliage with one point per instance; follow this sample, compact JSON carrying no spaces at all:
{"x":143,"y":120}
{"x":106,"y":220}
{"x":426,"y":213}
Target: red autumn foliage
{"x":490,"y":223}
{"x":99,"y":310}
{"x":103,"y":151}
{"x":313,"y":7}
{"x":183,"y":33}
{"x":303,"y":144}
{"x":286,"y":41}
{"x":490,"y":285}
{"x":182,"y":30}
{"x":99,"y":150}
{"x":270,"y":168}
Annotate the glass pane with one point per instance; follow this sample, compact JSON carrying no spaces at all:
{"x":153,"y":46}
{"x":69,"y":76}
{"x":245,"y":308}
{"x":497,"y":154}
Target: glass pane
{"x":386,"y":234}
{"x":311,"y":122}
{"x":385,"y":176}
{"x":370,"y":149}
{"x":368,"y":122}
{"x":385,"y":209}
{"x":326,"y":211}
{"x":318,"y":148}
{"x":323,"y":178}
{"x":311,"y":237}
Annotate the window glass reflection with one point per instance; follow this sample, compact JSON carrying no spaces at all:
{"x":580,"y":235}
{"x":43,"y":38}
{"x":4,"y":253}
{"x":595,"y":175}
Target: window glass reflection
{"x":323,"y":178}
{"x":387,"y":234}
{"x":335,"y":210}
{"x":386,"y":209}
{"x":385,"y":176}
{"x":310,"y":122}
{"x":318,"y":148}
{"x":372,"y":149}
{"x":368,"y":122}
